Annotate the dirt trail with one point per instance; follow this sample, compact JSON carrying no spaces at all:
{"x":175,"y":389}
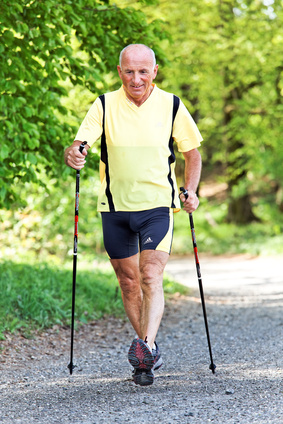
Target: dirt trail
{"x":244,"y":300}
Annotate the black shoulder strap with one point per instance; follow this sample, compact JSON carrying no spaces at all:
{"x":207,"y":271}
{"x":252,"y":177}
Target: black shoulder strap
{"x":102,"y":98}
{"x":176,"y":103}
{"x":103,"y":151}
{"x":104,"y":158}
{"x":172,"y":158}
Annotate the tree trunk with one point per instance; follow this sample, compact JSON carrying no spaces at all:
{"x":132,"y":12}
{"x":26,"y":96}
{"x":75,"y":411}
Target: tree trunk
{"x":239,"y":208}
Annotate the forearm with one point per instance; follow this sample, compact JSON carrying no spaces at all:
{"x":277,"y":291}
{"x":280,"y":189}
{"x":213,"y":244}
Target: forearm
{"x":192,"y":177}
{"x":192,"y":169}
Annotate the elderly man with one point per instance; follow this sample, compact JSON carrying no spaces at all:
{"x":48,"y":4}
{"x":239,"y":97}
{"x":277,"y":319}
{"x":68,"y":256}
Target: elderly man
{"x":138,"y":125}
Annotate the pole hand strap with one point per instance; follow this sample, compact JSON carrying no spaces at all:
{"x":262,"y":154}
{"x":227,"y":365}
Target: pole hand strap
{"x":184,"y":192}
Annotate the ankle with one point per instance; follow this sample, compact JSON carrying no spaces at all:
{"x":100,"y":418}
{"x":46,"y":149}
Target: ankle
{"x":149,"y":345}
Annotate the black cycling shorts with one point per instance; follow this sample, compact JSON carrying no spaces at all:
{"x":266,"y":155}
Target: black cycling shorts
{"x":127,"y":233}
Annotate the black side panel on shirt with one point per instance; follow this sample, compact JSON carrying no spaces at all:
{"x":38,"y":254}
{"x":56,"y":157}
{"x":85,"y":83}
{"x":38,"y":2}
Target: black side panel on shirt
{"x":172,"y":158}
{"x":104,"y":158}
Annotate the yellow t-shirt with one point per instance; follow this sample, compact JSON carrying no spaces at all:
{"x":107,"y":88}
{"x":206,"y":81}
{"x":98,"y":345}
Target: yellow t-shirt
{"x":138,"y":149}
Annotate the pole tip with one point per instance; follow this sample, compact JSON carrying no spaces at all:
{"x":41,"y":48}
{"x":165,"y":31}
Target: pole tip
{"x":71,"y":367}
{"x":212,"y":367}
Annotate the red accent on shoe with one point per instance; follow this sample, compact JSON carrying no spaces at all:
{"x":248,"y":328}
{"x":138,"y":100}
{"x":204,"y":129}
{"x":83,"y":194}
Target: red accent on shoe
{"x":140,"y":356}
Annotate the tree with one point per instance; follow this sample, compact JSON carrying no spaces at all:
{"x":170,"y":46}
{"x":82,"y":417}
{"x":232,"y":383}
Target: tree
{"x":226,"y":65}
{"x":248,"y":30}
{"x":44,"y":45}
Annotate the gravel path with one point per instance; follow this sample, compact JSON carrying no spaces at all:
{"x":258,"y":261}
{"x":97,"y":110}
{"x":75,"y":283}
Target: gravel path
{"x":244,"y":302}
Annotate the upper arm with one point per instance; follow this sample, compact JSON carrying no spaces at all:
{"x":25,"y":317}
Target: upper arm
{"x":185,"y":131}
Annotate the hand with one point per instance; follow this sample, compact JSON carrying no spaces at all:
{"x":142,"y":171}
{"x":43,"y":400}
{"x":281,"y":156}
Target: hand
{"x":74,"y":158}
{"x":191,"y":203}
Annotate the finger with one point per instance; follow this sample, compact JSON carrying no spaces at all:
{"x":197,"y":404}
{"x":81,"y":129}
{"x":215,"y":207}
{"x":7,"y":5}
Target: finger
{"x":78,"y":154}
{"x":192,"y":198}
{"x":77,"y":159}
{"x":75,"y":166}
{"x":76,"y":163}
{"x":191,"y":204}
{"x":182,"y":198}
{"x":191,"y":207}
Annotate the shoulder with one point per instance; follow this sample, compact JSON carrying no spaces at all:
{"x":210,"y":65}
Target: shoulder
{"x":166,"y":100}
{"x":164,"y":94}
{"x":169,"y":99}
{"x":113,"y":95}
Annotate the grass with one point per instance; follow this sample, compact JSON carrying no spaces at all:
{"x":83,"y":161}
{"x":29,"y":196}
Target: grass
{"x":39,"y":296}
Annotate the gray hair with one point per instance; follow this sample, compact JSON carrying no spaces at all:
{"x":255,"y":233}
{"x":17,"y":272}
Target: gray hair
{"x":130,"y":45}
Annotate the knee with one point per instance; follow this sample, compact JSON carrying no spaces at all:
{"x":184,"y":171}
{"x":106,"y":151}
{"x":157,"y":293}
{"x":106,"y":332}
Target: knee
{"x":152,"y":266}
{"x":151,"y":275}
{"x":128,"y":282}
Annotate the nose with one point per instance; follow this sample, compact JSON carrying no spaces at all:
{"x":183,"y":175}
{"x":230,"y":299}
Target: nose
{"x":136,"y":78}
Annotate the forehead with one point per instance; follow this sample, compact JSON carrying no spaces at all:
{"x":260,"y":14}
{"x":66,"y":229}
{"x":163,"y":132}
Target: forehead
{"x":137,"y":58}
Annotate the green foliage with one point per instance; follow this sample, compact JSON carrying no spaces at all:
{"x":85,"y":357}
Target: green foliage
{"x":45,"y":227}
{"x":227,"y":66}
{"x":45,"y":48}
{"x":215,"y":236}
{"x":39,"y":296}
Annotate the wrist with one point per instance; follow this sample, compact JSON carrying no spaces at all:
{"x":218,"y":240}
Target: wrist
{"x":190,"y":190}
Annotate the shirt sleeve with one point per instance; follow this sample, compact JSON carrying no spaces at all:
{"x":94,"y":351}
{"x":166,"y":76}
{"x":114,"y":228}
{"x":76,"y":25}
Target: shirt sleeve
{"x":185,"y":131}
{"x":91,"y":127}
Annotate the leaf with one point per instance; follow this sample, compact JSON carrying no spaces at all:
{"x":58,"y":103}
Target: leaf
{"x":32,"y":158}
{"x":46,"y":49}
{"x":18,"y":6}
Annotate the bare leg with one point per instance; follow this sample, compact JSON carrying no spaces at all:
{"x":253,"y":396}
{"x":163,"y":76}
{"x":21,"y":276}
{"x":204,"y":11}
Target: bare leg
{"x":152,"y":264}
{"x":128,"y":275}
{"x":141,"y":282}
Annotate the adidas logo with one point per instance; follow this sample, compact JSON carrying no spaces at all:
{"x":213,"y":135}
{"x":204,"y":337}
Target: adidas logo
{"x":148,"y":240}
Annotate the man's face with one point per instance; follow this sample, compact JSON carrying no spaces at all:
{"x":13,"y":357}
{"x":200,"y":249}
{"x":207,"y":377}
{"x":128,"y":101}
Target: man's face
{"x":137,"y":71}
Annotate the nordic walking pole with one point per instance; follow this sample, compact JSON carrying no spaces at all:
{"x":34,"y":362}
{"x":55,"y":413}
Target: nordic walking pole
{"x":71,"y":366}
{"x":212,"y":366}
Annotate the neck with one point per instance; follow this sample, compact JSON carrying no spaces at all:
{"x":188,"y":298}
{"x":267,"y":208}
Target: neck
{"x":139,"y":102}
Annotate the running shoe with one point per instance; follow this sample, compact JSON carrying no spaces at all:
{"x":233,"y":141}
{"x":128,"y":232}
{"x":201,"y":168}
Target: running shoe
{"x":140,"y":355}
{"x":143,"y":377}
{"x":141,"y":358}
{"x":158,"y":361}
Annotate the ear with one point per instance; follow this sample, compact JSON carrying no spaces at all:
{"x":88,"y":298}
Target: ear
{"x":119,"y":71}
{"x":155,"y":71}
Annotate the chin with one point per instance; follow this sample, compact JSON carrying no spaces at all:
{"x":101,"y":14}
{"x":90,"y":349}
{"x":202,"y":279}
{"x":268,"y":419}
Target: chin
{"x":137,"y":93}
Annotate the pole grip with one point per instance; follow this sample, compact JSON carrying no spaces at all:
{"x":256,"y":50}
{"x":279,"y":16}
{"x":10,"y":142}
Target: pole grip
{"x":82,"y":146}
{"x":184,"y":192}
